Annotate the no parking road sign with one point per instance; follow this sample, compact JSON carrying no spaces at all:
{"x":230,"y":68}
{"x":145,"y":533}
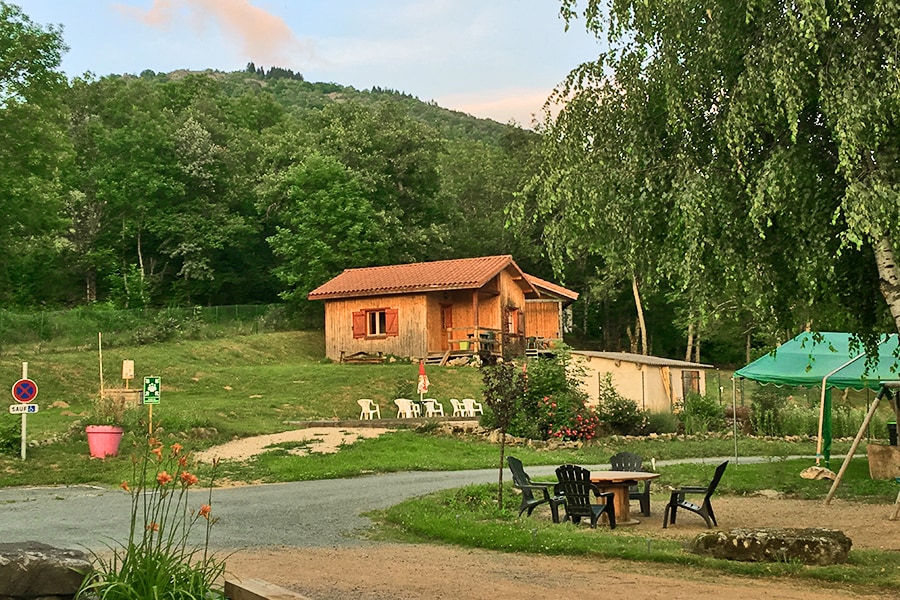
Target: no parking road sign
{"x":24,"y":390}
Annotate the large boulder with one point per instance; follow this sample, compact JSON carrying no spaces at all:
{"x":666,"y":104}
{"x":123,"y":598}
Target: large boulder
{"x":813,"y":546}
{"x":34,"y":570}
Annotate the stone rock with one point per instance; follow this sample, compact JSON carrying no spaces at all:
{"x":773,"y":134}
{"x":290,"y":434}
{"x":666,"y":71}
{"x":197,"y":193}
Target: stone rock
{"x":33,"y":569}
{"x":813,"y":546}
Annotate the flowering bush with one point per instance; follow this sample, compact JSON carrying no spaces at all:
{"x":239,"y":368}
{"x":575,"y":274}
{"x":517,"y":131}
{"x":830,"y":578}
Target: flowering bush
{"x":565,"y":416}
{"x":158,"y":560}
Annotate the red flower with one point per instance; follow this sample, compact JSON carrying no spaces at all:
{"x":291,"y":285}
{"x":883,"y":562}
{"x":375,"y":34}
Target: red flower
{"x":188,"y":478}
{"x":176,"y":448}
{"x":125,"y":487}
{"x":163,"y":478}
{"x":153,"y":526}
{"x":205,"y":510}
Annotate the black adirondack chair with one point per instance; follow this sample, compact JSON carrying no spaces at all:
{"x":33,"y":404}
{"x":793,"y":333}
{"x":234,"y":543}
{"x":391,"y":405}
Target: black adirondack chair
{"x":705,"y":509}
{"x":576,"y":487}
{"x":628,"y":461}
{"x":530,"y":499}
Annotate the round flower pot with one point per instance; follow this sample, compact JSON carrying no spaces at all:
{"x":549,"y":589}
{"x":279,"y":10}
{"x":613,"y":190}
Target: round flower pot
{"x":103,"y":440}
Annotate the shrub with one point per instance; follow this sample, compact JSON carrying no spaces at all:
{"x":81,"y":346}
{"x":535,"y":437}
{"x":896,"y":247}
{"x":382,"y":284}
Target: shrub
{"x":566,"y":416}
{"x":619,"y":414}
{"x":766,"y":407}
{"x":662,"y":422}
{"x":10,"y":436}
{"x":700,"y":414}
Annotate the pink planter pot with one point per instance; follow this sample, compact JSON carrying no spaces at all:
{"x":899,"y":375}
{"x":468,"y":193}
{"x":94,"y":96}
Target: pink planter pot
{"x":103,"y":440}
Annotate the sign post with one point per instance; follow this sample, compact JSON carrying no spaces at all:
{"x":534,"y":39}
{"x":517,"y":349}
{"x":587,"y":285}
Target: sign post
{"x":127,"y":371}
{"x":24,"y":391}
{"x":152,"y":389}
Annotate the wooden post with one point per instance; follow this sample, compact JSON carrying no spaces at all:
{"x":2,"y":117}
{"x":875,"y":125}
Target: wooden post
{"x":862,"y":430}
{"x":100,"y":352}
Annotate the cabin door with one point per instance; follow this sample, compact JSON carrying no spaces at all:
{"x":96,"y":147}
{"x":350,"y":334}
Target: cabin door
{"x":446,"y":325}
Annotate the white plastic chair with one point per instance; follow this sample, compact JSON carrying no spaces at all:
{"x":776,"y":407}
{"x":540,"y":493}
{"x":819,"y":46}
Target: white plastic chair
{"x":472,"y":408}
{"x":406,"y":409}
{"x":433,"y":408}
{"x":368,"y":409}
{"x":458,"y":409}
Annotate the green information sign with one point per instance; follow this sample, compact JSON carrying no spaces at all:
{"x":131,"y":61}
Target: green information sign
{"x":152,"y":387}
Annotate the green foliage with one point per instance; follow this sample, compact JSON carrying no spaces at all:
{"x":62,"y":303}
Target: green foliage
{"x":327,"y":224}
{"x":10,"y":436}
{"x":662,"y":422}
{"x":766,"y":409}
{"x":158,"y":561}
{"x":617,"y":413}
{"x":696,"y":151}
{"x":701,"y":414}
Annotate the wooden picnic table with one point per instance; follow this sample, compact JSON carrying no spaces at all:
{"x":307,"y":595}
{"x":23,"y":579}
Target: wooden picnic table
{"x":618,"y":483}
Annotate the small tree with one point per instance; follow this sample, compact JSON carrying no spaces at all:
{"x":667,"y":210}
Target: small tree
{"x":504,"y":385}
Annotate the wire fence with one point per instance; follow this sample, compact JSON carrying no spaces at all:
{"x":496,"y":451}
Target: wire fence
{"x":78,"y":328}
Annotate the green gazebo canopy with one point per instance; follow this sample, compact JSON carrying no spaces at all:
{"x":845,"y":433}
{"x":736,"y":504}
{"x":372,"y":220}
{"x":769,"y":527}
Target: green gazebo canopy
{"x":810,"y":357}
{"x":830,"y":360}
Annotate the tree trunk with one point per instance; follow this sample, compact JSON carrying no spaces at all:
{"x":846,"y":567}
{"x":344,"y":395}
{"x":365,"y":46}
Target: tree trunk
{"x":90,"y":286}
{"x":500,"y":479}
{"x":140,"y":259}
{"x":690,"y":340}
{"x":889,"y":277}
{"x":889,"y":282}
{"x":640,"y":313}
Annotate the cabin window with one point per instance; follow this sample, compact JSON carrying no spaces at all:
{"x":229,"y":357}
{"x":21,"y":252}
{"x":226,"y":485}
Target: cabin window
{"x":376,"y":323}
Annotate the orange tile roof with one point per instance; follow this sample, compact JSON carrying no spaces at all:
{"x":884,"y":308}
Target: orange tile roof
{"x":457,"y":274}
{"x":554,"y":289}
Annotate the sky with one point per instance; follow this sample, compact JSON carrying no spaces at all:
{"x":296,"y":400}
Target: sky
{"x":497,"y":59}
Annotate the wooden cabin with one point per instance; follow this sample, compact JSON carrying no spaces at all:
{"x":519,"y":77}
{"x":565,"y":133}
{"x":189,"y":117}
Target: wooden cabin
{"x":432,"y":310}
{"x":547,"y":315}
{"x":655,"y":384}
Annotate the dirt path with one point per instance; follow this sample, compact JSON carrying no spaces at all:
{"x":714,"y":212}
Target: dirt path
{"x":390,"y":571}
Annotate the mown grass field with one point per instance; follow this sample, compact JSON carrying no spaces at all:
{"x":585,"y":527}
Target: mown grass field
{"x":221,"y":389}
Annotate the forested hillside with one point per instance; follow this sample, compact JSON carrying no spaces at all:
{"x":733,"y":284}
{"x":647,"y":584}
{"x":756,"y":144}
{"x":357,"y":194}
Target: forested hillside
{"x":674,"y":218}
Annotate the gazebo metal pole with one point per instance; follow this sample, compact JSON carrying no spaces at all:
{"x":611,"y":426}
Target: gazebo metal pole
{"x":734,"y":419}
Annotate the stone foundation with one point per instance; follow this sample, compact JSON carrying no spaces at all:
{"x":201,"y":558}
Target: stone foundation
{"x":814,"y":546}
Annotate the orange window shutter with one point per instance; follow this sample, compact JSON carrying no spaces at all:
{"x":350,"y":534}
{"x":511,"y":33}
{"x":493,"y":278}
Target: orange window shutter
{"x":359,"y":324}
{"x":392,"y":322}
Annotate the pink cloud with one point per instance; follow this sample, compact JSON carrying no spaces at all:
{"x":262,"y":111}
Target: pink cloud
{"x":520,"y":105}
{"x":263,"y":37}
